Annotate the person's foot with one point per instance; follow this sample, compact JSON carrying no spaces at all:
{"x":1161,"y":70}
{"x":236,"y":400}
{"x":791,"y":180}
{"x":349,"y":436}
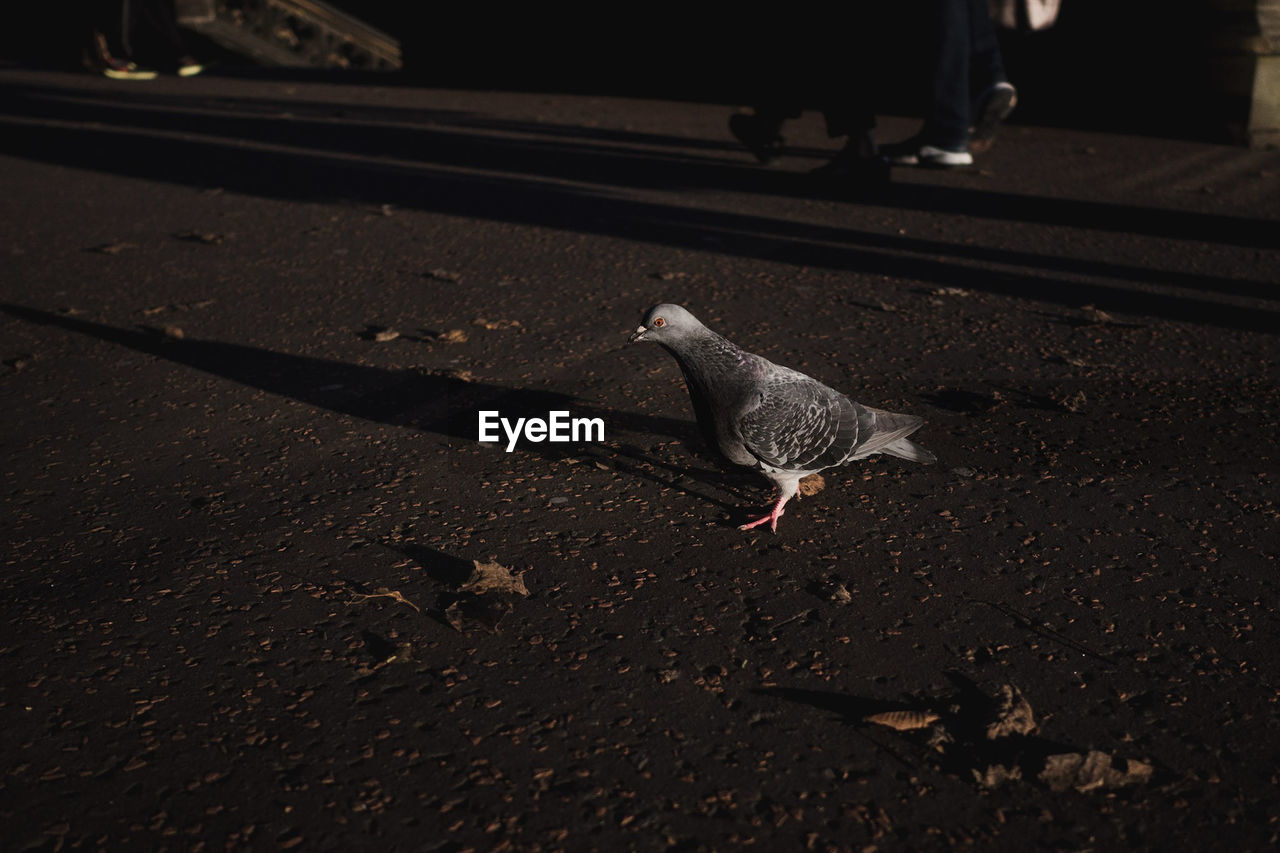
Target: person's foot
{"x":99,"y":60}
{"x":188,"y":67}
{"x":760,"y":135}
{"x":119,"y":70}
{"x":994,"y":106}
{"x":916,"y":152}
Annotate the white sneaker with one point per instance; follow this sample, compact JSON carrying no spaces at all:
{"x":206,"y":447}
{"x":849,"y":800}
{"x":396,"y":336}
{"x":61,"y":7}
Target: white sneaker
{"x":994,"y":106}
{"x":914,"y":153}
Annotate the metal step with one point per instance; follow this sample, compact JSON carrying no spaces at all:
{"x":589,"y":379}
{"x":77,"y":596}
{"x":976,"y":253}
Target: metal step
{"x":293,"y":33}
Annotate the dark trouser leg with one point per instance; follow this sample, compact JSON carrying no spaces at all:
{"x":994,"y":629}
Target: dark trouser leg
{"x":153,"y":25}
{"x":948,"y":123}
{"x":986,"y":63}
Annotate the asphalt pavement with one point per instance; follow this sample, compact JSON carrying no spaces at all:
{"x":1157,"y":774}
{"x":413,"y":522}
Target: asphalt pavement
{"x":264,"y":588}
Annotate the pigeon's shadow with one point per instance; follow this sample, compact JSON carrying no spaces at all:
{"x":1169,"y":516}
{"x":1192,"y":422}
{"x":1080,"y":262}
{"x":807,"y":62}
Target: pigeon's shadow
{"x":439,"y":403}
{"x":963,"y":401}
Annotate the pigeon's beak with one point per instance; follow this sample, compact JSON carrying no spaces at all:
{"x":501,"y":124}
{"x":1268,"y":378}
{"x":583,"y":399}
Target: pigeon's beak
{"x":638,"y":334}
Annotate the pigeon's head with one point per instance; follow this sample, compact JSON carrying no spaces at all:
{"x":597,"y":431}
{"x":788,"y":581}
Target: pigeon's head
{"x":666,"y":324}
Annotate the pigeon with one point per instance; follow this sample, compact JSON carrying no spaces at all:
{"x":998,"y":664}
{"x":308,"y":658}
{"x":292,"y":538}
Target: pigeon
{"x":771,"y":418}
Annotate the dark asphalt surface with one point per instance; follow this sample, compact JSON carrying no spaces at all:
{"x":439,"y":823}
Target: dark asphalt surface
{"x":211,"y":463}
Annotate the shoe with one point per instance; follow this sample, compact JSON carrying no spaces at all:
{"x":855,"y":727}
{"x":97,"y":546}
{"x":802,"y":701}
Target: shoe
{"x":98,"y":59}
{"x":188,"y":67}
{"x":117,"y":70}
{"x":759,"y":135}
{"x":994,"y":106}
{"x":916,"y":152}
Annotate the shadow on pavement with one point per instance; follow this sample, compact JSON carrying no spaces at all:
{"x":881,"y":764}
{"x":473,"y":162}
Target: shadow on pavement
{"x":441,"y":404}
{"x":961,"y":740}
{"x":568,"y":177}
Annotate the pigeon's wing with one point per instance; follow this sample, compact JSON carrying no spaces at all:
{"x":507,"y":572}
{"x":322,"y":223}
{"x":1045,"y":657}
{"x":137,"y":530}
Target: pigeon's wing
{"x":794,"y":423}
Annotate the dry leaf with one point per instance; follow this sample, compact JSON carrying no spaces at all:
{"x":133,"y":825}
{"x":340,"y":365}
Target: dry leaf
{"x":950,"y":291}
{"x":18,"y":362}
{"x":114,"y":248}
{"x":457,"y":373}
{"x":1094,"y":314}
{"x":1090,"y":771}
{"x":453,"y":336}
{"x":1075,"y":402}
{"x":402,"y":654}
{"x":174,"y":332}
{"x":209,"y":238}
{"x":444,"y":275}
{"x":811,"y":485}
{"x":840,"y":594}
{"x":386,"y":335}
{"x":383,"y":592}
{"x":903,"y":721}
{"x":1014,"y":717}
{"x":492,"y":577}
{"x":997,"y":774}
{"x":495,"y":324}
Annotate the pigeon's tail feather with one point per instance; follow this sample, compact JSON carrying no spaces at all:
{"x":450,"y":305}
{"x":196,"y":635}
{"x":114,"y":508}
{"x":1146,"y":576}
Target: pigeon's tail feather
{"x":886,"y":432}
{"x":906,"y":449}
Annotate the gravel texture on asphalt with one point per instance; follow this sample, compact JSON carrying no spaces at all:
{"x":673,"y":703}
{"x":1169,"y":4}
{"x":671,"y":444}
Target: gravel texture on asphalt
{"x":263,"y":587}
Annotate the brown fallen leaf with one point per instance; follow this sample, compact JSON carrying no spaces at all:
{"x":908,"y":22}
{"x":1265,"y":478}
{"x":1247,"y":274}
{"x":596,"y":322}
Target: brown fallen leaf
{"x":1091,"y":771}
{"x":1014,"y":717}
{"x":209,"y":238}
{"x":1094,"y":314}
{"x":453,"y":336}
{"x":492,"y":577}
{"x":402,"y":654}
{"x":811,"y":485}
{"x":113,"y":248}
{"x":383,"y":592}
{"x":996,"y":775}
{"x":18,"y":362}
{"x":1075,"y":402}
{"x":385,"y":335}
{"x":443,"y":275}
{"x":495,"y":324}
{"x":458,"y":373}
{"x":903,"y":721}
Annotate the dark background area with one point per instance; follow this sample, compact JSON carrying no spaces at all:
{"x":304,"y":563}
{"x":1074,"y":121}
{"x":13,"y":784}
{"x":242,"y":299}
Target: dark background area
{"x":1134,"y":67}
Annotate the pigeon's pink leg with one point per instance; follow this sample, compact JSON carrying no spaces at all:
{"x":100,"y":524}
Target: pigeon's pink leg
{"x":772,"y":517}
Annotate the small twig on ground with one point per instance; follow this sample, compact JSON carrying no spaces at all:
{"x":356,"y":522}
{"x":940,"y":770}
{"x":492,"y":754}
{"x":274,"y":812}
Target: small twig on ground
{"x":383,"y":592}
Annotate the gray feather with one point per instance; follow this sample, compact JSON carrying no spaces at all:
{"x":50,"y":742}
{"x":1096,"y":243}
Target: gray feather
{"x":774,"y":418}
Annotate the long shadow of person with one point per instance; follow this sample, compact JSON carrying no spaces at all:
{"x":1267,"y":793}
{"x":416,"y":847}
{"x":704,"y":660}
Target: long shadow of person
{"x":439,"y":403}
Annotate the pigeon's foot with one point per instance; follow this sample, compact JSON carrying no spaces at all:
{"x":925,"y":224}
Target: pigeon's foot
{"x":772,"y":518}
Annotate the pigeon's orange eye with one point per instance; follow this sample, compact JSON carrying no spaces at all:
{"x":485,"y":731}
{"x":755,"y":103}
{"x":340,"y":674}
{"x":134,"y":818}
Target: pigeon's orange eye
{"x":659,"y":322}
